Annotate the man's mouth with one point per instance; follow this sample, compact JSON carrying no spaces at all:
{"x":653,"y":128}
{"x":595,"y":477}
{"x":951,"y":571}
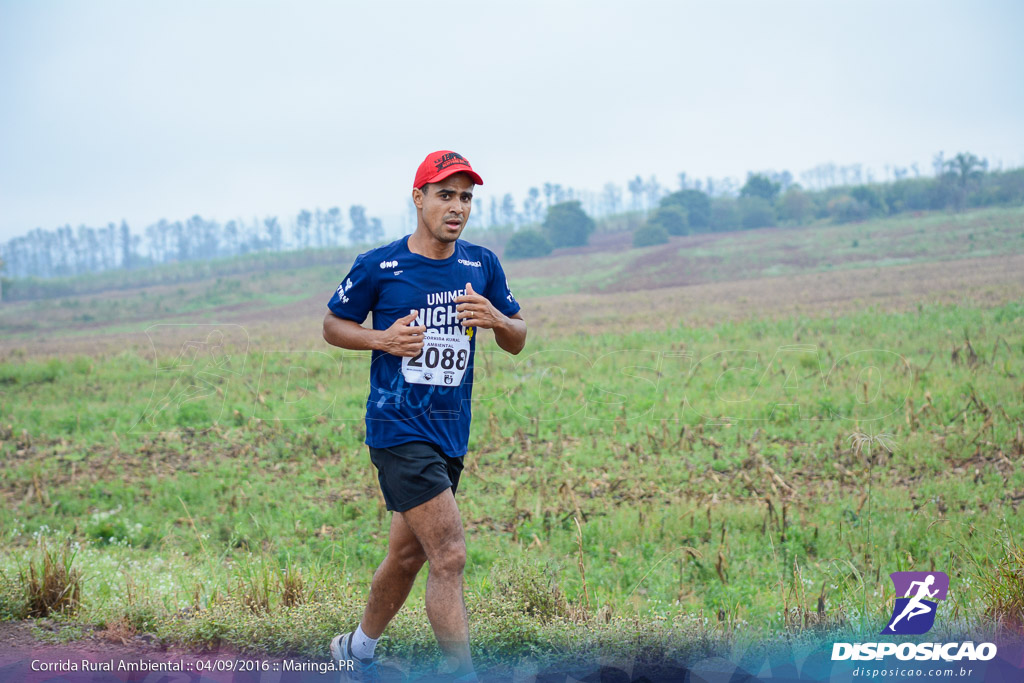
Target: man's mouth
{"x":453,"y":223}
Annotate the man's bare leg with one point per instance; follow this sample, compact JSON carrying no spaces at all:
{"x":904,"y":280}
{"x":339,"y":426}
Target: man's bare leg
{"x":438,"y":527}
{"x":394,"y":577}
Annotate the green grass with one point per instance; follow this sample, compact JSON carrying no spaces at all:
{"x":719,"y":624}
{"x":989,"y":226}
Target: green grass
{"x":712,"y":471}
{"x":720,"y":494}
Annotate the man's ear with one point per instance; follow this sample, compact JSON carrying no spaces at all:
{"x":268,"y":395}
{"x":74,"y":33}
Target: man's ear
{"x":417,"y":197}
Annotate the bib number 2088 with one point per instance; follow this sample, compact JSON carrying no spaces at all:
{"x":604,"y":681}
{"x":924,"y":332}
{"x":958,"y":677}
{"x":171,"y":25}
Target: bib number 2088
{"x":442,"y":361}
{"x":445,"y":359}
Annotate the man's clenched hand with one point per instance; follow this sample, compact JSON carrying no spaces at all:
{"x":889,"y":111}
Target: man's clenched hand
{"x":403,"y":338}
{"x":476,"y":311}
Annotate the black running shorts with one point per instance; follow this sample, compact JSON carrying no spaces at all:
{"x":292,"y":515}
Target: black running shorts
{"x":412,"y":473}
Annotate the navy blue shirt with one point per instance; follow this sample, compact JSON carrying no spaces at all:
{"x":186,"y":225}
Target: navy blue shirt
{"x":391,"y":281}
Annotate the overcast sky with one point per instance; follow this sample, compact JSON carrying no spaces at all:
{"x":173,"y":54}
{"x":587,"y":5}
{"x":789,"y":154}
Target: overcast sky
{"x":149,"y":110}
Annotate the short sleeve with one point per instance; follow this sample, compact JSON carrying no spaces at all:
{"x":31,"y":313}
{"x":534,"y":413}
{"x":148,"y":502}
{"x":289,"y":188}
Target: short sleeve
{"x":356,"y":296}
{"x":498,"y":292}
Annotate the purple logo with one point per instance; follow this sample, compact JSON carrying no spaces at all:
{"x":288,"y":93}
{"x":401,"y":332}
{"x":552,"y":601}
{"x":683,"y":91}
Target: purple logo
{"x":914,"y":613}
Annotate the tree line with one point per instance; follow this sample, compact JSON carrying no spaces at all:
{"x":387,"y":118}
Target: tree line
{"x":767,"y":199}
{"x":549,"y":216}
{"x":66,"y":252}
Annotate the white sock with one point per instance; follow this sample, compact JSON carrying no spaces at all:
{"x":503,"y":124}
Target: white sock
{"x":362,"y":644}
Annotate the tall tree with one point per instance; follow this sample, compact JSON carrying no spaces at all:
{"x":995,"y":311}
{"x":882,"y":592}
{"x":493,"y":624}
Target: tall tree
{"x":611,"y":198}
{"x":360,"y":230}
{"x":531,"y":205}
{"x":636,"y":190}
{"x":966,"y":167}
{"x":231,"y":238}
{"x":274,"y":233}
{"x":376,"y":230}
{"x":127,"y":256}
{"x":412,"y":217}
{"x":508,"y":210}
{"x":652,"y":192}
{"x":335,"y":230}
{"x":303,"y":225}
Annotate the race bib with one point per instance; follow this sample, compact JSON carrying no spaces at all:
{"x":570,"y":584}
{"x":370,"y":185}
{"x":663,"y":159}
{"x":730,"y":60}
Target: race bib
{"x":442,"y":361}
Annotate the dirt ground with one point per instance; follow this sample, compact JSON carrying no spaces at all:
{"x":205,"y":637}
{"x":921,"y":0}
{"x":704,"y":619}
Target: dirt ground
{"x":983,"y":281}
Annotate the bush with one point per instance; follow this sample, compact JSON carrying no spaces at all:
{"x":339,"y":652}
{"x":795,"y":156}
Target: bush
{"x":568,"y":225}
{"x":527,"y":244}
{"x":527,"y":588}
{"x":696,"y":206}
{"x":672,"y":219}
{"x":846,"y":209}
{"x":756,"y":212}
{"x":913,"y":194}
{"x":725,"y":214}
{"x":649,"y":234}
{"x":795,"y":206}
{"x":1007,"y":187}
{"x":870,"y":198}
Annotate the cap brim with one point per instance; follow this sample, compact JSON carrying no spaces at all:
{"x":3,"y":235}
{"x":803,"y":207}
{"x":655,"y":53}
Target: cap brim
{"x":473,"y":175}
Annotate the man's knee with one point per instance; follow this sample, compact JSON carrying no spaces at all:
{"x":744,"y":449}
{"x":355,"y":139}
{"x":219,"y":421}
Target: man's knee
{"x":449,"y":558}
{"x":409,"y":561}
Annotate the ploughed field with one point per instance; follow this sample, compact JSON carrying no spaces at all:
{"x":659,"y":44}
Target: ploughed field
{"x":701,"y":442}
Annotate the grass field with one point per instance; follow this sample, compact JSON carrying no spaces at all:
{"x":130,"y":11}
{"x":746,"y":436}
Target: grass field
{"x":686,"y":454}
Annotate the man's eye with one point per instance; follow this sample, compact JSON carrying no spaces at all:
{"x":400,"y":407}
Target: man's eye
{"x":467,"y":197}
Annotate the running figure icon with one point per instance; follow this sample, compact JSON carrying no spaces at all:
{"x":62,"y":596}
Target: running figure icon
{"x":915,"y":607}
{"x":921,"y":591}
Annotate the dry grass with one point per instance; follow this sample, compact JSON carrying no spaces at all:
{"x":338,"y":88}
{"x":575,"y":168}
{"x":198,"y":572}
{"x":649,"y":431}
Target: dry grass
{"x":1002,"y":584}
{"x":53,"y":583}
{"x":293,"y":588}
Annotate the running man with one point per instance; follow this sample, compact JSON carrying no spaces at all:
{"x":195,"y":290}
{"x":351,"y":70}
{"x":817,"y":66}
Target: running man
{"x":428,"y":292}
{"x":914,"y":606}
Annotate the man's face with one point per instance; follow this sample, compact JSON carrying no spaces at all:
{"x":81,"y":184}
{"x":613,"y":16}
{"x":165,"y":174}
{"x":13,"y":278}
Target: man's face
{"x":444,"y":206}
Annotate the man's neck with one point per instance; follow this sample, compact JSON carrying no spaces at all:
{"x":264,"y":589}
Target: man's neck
{"x":426,"y":245}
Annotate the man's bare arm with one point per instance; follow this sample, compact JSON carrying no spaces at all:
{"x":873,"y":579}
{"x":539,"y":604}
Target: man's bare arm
{"x":399,"y":340}
{"x":511,"y":336}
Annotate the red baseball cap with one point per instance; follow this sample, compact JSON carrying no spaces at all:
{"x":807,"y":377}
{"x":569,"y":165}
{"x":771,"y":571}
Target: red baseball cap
{"x":439,"y":165}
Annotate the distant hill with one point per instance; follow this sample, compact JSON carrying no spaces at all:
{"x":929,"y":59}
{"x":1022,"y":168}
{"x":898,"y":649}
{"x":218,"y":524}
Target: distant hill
{"x":285,"y":294}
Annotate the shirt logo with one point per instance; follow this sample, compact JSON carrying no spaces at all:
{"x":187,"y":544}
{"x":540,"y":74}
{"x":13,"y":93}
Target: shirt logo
{"x":473,"y":264}
{"x":342,"y":288}
{"x":384,"y":265}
